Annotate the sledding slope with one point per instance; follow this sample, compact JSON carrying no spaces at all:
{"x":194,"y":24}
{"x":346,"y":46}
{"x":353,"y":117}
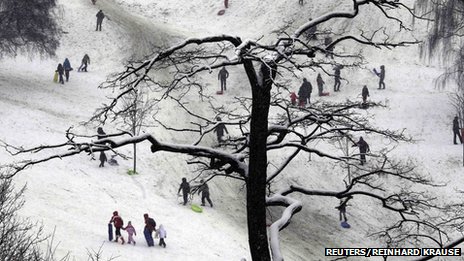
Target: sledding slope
{"x":77,"y":198}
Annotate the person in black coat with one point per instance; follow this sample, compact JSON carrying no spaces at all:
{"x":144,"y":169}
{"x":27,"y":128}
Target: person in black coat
{"x":363,"y":149}
{"x":220,"y":129}
{"x":60,"y":71}
{"x":320,"y":84}
{"x":337,"y":78}
{"x":222,"y":76}
{"x":103,"y":159}
{"x":456,"y":130}
{"x":365,"y":93}
{"x":304,"y":94}
{"x":185,"y":187}
{"x":100,"y":15}
{"x":204,"y":190}
{"x":85,"y":61}
{"x":381,"y":76}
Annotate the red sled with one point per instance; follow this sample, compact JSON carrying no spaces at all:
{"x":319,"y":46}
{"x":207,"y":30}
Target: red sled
{"x":325,"y":94}
{"x":221,"y":12}
{"x":220,"y":92}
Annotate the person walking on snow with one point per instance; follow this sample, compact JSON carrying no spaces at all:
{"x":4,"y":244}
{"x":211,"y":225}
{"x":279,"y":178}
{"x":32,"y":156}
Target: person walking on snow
{"x":365,"y":93}
{"x":118,"y":223}
{"x":130,"y":233}
{"x":85,"y":61}
{"x":204,"y":190}
{"x":161,"y":233}
{"x":185,"y":187}
{"x":100,"y":15}
{"x":456,"y":130}
{"x":103,"y":159}
{"x":337,"y":78}
{"x":381,"y":76}
{"x":150,"y":226}
{"x":220,"y":129}
{"x":342,"y":208}
{"x":304,"y":94}
{"x":320,"y":84}
{"x":60,"y":71}
{"x":222,"y":76}
{"x":363,"y":149}
{"x":293,"y":98}
{"x":67,"y":68}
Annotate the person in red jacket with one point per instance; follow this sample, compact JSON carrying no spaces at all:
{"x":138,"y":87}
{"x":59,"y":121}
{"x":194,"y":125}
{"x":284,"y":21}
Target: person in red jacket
{"x":118,"y":223}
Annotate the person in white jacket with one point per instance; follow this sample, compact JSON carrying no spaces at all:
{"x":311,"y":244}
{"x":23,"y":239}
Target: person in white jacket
{"x":161,"y":233}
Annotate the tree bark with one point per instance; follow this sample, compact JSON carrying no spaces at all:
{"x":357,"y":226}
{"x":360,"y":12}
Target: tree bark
{"x":257,"y":170}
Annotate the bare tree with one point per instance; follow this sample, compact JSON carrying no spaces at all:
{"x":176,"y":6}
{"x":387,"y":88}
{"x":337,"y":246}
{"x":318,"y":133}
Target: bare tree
{"x":19,"y":34}
{"x":445,"y":42}
{"x":175,"y":73}
{"x":19,"y":238}
{"x":137,"y":112}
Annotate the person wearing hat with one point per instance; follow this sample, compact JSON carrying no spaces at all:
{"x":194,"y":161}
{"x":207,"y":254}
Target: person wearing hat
{"x":150,"y":226}
{"x":204,"y":190}
{"x":118,"y":223}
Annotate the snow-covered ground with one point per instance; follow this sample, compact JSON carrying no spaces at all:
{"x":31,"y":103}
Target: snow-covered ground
{"x":76,"y":198}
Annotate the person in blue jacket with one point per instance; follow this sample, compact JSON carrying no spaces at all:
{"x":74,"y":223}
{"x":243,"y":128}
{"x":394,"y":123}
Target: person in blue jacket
{"x":67,"y":68}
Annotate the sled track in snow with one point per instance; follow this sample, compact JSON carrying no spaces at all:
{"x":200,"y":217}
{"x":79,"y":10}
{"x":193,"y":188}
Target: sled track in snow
{"x":142,"y":35}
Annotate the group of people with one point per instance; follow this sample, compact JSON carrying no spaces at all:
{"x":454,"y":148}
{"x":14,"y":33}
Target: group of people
{"x":65,"y":68}
{"x":150,"y":227}
{"x":305,"y":90}
{"x":202,"y":188}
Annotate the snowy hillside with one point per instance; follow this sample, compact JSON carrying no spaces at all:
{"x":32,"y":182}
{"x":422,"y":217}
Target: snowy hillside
{"x":76,"y":198}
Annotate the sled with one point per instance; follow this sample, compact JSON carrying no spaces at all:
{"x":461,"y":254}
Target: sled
{"x":196,"y":208}
{"x":110,"y":232}
{"x":364,"y":106}
{"x":221,"y":12}
{"x":219,"y":92}
{"x":325,"y":94}
{"x":55,"y":77}
{"x":375,"y":72}
{"x":345,"y":224}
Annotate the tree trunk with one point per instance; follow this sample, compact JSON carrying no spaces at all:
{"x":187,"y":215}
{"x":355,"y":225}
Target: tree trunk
{"x":256,"y":182}
{"x":135,"y":158}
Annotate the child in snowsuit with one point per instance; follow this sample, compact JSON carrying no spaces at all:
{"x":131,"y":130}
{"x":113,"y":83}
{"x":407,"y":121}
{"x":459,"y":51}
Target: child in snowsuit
{"x":185,"y":187}
{"x":130,"y":232}
{"x":293,"y":98}
{"x":118,"y":223}
{"x":67,"y":68}
{"x":161,"y":233}
{"x":60,"y":71}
